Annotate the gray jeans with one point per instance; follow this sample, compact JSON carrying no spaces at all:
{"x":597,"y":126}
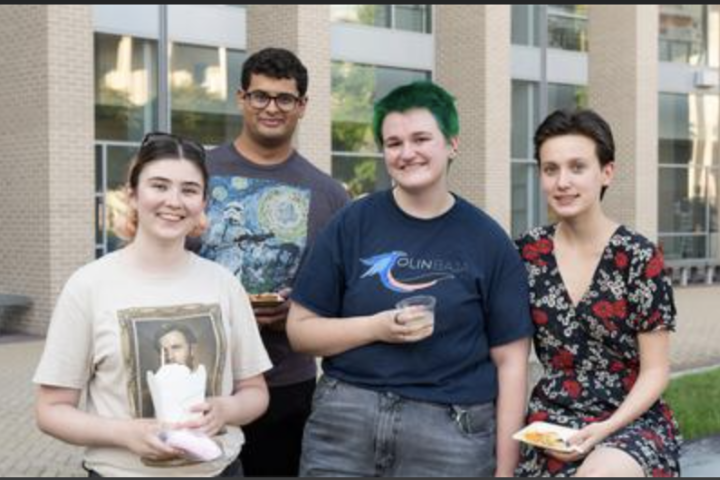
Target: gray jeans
{"x":355,"y":432}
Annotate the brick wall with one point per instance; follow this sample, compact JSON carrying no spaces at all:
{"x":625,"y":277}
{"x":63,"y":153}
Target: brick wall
{"x":623,"y":75}
{"x":473,"y":63}
{"x":46,"y":168}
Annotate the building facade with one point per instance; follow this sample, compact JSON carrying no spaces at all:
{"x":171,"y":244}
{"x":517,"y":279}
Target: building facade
{"x":82,"y":84}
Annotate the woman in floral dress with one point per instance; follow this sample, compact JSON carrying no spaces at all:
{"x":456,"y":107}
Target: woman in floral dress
{"x":603,"y":309}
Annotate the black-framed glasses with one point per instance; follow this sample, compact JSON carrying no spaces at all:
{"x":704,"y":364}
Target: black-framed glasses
{"x":184,"y":142}
{"x":285,"y":102}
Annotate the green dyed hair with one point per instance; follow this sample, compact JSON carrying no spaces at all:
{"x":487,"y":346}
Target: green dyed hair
{"x":425,"y":95}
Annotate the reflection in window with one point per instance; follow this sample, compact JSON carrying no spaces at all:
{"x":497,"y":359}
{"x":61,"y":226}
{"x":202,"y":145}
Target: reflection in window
{"x":525,"y":197}
{"x":355,"y":88}
{"x":685,"y":192}
{"x":374,"y":15}
{"x":99,"y":214}
{"x":527,"y":202}
{"x":567,"y":26}
{"x":112,"y":161}
{"x":686,"y":32}
{"x":526,"y":25}
{"x":689,"y":171}
{"x":125,"y":87}
{"x":202,"y":85}
{"x":360,"y":174}
{"x":203,"y":82}
{"x":414,"y":18}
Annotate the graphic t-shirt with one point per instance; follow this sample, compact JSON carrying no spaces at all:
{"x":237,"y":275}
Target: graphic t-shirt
{"x":114,"y":325}
{"x":373,"y":255}
{"x":262,"y":220}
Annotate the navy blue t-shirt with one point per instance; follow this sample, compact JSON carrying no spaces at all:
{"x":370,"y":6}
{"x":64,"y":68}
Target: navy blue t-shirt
{"x":373,"y":254}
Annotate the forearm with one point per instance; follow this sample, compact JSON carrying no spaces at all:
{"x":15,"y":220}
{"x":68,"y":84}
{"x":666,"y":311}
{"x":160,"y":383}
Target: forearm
{"x":511,"y":406}
{"x":245,"y":406}
{"x":510,"y":416}
{"x":58,"y":415}
{"x":76,"y":427}
{"x":652,"y":380}
{"x":647,"y":391}
{"x":325,"y":337}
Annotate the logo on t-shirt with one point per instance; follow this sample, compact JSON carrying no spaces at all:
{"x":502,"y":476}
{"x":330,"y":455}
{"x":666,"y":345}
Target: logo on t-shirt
{"x":424,"y":273}
{"x":258,"y":230}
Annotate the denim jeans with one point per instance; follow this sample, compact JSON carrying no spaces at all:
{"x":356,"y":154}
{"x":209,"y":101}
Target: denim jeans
{"x":355,"y":432}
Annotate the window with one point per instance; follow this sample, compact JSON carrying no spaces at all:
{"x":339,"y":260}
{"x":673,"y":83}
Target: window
{"x":203,"y":83}
{"x":125,"y":87}
{"x":112,"y":160}
{"x":356,"y":161}
{"x":689,"y":34}
{"x":689,"y":170}
{"x":528,"y":203}
{"x":414,"y":18}
{"x":126,"y":93}
{"x":526,"y":25}
{"x":567,"y":26}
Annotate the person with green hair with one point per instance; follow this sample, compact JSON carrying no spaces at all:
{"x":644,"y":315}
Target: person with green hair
{"x":403,"y":395}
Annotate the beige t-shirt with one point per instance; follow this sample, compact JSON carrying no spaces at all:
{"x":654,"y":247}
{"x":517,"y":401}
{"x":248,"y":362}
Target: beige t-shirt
{"x":104,"y":339}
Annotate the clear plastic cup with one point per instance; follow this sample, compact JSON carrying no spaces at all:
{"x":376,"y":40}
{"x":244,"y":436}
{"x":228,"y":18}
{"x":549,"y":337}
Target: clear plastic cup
{"x":426,"y":303}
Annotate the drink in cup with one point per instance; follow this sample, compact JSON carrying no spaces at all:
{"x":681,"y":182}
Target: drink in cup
{"x":424,"y":303}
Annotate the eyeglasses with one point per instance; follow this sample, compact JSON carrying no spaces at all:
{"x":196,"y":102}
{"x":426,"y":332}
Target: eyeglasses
{"x":285,"y":102}
{"x":182,"y":141}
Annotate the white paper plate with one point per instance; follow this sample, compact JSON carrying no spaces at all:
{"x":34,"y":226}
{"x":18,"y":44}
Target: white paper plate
{"x":547,"y":436}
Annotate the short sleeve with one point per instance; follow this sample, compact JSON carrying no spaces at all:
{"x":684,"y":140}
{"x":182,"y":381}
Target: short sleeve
{"x":320,"y":285}
{"x":652,"y":293}
{"x":66,"y":361}
{"x":508,"y":303}
{"x":249,"y":355}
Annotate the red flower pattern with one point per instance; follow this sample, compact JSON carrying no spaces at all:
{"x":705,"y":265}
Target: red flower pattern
{"x":620,"y":309}
{"x":572,"y":388}
{"x":656,"y":265}
{"x":540,"y":318}
{"x":604,"y":310}
{"x":554,"y":466}
{"x":538,"y":417}
{"x":617,"y":366}
{"x":622,"y":261}
{"x":544,"y":246}
{"x":590,"y":352}
{"x":563,"y":360}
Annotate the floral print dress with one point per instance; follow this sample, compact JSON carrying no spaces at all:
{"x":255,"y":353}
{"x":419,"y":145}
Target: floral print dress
{"x":589,"y":351}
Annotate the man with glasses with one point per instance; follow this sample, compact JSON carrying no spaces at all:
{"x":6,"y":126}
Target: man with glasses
{"x":267,"y":204}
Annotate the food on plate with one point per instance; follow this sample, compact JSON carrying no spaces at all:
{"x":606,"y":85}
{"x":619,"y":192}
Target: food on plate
{"x":266,"y":299}
{"x":548,"y":436}
{"x":549,"y":440}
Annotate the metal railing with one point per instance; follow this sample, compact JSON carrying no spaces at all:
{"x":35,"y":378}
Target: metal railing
{"x":694,"y":272}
